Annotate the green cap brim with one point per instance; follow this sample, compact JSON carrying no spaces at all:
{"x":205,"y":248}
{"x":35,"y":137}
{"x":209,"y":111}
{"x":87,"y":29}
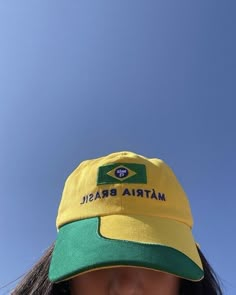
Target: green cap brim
{"x":80,"y":248}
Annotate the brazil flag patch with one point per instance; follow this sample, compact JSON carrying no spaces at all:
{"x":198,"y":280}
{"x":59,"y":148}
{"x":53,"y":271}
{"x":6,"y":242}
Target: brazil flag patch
{"x":122,"y":173}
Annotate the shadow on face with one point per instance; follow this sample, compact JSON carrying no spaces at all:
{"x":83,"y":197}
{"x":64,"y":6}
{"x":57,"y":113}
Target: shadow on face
{"x":125,"y":281}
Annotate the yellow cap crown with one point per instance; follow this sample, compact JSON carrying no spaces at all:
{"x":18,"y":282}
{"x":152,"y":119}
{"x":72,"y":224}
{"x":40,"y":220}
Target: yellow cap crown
{"x":123,"y":183}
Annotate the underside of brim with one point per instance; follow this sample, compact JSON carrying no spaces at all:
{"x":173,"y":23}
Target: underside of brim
{"x":80,"y":248}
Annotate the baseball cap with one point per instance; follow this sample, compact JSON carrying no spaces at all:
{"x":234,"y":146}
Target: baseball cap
{"x":124,"y":209}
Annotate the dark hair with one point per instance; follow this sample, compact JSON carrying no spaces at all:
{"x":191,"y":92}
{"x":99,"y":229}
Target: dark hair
{"x":36,"y":281}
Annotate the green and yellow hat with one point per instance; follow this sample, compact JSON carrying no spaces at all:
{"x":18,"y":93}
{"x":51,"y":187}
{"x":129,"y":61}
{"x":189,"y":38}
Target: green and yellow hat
{"x":124,"y":210}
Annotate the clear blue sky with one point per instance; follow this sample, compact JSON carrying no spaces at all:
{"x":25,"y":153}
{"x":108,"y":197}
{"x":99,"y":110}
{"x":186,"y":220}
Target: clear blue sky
{"x":80,"y":79}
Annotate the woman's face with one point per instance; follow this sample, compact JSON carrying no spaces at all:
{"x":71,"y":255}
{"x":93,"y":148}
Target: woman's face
{"x":125,"y":281}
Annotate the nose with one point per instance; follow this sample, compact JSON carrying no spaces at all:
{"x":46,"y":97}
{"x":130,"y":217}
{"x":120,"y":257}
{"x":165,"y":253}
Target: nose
{"x":125,"y":281}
